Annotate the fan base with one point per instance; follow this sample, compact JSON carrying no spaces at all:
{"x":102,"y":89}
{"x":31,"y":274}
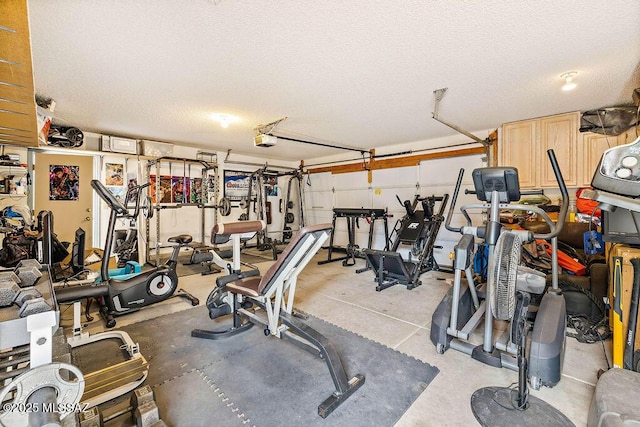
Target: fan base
{"x":495,"y":406}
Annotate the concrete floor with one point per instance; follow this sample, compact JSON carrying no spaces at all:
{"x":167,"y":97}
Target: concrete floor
{"x":400,"y":319}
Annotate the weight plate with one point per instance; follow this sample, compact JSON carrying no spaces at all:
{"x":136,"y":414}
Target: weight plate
{"x":147,"y":209}
{"x":244,"y":202}
{"x":225,"y":206}
{"x":290,"y":204}
{"x":287,"y":233}
{"x":289,"y":218}
{"x":69,"y":392}
{"x":243,"y":217}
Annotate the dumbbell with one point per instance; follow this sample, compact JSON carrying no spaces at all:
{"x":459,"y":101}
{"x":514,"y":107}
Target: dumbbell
{"x":29,"y":299}
{"x":146,"y":412}
{"x":91,"y":417}
{"x":26,"y":274}
{"x":28,"y":270}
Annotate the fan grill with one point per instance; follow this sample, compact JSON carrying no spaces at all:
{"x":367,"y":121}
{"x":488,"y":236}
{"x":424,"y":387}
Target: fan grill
{"x":507,"y":254}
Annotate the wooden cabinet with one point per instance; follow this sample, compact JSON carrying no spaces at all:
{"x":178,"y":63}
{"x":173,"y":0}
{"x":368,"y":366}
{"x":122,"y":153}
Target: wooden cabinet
{"x":525,"y":144}
{"x":559,"y":133}
{"x":518,"y":148}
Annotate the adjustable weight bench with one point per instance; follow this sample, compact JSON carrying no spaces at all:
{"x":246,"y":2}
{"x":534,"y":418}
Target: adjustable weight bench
{"x":273,"y":294}
{"x":222,"y":233}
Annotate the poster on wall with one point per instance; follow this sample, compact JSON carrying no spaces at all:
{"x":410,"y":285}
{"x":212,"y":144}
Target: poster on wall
{"x":114,"y":174}
{"x":236,"y":184}
{"x":271,"y":184}
{"x":118,"y":192}
{"x":64,"y":182}
{"x":210,"y":196}
{"x":132,"y":181}
{"x":165,"y":190}
{"x":179,"y":189}
{"x":152,"y":188}
{"x":163,"y":194}
{"x":196,"y":190}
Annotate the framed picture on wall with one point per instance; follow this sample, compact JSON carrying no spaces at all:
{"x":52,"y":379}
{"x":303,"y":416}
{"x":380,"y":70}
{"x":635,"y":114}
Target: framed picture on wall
{"x":236,"y":184}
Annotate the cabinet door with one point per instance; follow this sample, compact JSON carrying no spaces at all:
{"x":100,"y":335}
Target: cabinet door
{"x":559,"y":133}
{"x":519,"y":150}
{"x":592,"y":147}
{"x":629,"y":136}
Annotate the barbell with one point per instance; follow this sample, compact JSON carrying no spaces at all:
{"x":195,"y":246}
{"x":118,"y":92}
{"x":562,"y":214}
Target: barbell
{"x":224,"y":207}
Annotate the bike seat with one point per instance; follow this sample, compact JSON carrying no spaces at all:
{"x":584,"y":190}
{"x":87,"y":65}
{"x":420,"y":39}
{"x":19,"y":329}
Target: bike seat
{"x":182,"y":239}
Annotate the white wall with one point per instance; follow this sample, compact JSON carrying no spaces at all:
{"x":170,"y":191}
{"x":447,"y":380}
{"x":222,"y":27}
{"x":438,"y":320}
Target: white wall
{"x":431,"y":177}
{"x":188,"y":219}
{"x":351,"y":190}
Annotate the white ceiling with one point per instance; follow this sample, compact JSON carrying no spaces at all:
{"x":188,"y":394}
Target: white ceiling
{"x":358,"y":73}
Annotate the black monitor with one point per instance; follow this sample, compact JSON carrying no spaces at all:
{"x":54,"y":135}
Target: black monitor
{"x":504,"y":180}
{"x":77,"y":253}
{"x":618,"y":227}
{"x":45,"y":224}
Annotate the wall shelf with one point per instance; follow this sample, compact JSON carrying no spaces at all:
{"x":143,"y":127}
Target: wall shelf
{"x":15,"y":171}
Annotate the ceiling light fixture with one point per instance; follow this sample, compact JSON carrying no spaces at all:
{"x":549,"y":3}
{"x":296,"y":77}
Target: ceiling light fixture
{"x":569,"y":84}
{"x":224,"y":119}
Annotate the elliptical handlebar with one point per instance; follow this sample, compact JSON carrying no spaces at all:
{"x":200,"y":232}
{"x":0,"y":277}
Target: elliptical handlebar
{"x":564,"y":207}
{"x":115,"y":204}
{"x":452,"y":206}
{"x":522,"y":192}
{"x":108,"y":197}
{"x":555,"y":230}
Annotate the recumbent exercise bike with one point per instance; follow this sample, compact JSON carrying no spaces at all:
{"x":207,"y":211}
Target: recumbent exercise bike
{"x":129,"y":292}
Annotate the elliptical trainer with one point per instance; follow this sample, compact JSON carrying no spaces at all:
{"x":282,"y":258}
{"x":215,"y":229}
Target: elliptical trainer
{"x":508,"y":289}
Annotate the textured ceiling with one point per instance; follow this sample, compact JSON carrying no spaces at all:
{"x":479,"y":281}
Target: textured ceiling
{"x":358,"y":73}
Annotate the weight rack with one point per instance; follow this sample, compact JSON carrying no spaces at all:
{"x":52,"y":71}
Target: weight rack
{"x":209,"y":200}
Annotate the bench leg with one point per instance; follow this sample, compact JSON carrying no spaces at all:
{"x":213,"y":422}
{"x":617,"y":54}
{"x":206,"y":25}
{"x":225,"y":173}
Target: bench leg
{"x":237,"y":327}
{"x":344,"y":387}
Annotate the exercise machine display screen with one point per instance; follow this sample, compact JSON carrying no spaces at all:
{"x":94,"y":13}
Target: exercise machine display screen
{"x":618,"y":227}
{"x":619,"y":170}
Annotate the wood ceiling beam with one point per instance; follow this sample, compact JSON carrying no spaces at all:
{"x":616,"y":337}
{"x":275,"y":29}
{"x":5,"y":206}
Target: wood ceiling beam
{"x":396,"y":162}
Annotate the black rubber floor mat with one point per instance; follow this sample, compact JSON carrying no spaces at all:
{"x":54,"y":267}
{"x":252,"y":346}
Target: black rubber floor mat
{"x":274,"y":382}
